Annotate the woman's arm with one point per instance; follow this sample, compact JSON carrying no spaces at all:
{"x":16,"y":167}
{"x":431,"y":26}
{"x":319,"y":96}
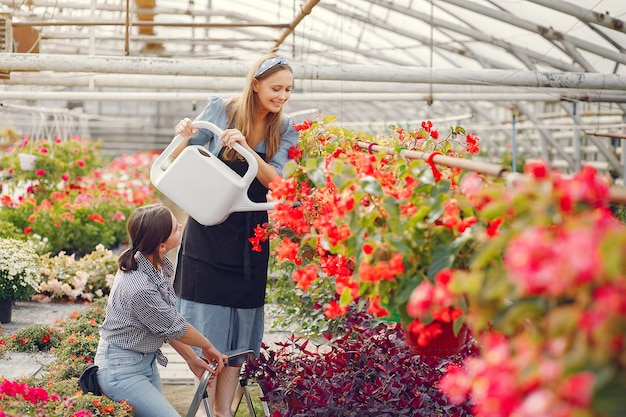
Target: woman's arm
{"x":266,"y":172}
{"x":197,"y":365}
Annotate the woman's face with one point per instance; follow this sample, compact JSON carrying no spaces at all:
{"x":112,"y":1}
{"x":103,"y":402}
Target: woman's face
{"x":274,"y":91}
{"x":174,"y":239}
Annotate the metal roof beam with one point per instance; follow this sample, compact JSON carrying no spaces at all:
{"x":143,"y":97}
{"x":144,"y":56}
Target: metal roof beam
{"x":185,"y":82}
{"x":547,"y":33}
{"x":332,"y":97}
{"x":600,"y":145}
{"x":304,"y":11}
{"x":424,"y":40}
{"x":481,"y":37}
{"x":584,"y":14}
{"x":232,"y":68}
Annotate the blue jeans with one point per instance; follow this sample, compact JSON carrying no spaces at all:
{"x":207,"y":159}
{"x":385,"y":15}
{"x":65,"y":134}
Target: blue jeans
{"x":134,"y":377}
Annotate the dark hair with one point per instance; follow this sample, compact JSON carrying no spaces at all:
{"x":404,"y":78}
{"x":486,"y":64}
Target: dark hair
{"x":148,"y":227}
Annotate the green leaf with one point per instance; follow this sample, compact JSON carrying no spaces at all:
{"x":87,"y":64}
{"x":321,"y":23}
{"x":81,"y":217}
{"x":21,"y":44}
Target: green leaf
{"x":370,"y":185}
{"x":443,"y":256}
{"x":519,"y":311}
{"x":609,"y":400}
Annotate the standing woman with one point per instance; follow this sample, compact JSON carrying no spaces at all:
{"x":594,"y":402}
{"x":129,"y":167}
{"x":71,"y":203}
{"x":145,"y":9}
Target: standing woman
{"x":141,"y":315}
{"x":219,"y":278}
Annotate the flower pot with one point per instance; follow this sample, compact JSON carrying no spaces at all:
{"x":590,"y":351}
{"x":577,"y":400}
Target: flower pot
{"x":6,"y":306}
{"x":445,"y":344}
{"x":27,"y":161}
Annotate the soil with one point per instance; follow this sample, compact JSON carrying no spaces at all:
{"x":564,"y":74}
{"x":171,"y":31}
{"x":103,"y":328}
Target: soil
{"x":180,"y":396}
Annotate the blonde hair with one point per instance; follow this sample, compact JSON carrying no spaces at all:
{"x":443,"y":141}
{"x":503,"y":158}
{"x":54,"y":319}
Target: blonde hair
{"x":242,"y":110}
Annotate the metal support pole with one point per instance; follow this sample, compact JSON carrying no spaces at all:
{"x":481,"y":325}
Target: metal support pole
{"x":514,"y":111}
{"x":577,"y":152}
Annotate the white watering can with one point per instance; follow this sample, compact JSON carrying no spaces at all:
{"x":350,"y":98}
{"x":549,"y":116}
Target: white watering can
{"x":200,"y":183}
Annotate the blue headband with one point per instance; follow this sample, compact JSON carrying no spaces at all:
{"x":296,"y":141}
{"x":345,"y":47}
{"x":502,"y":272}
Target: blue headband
{"x":270,"y":63}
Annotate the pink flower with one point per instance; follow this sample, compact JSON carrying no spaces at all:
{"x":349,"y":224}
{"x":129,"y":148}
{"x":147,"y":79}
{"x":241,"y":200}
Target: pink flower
{"x":40,"y":172}
{"x":80,"y":163}
{"x":578,"y":388}
{"x":119,"y":216}
{"x":455,"y":384}
{"x":421,"y":300}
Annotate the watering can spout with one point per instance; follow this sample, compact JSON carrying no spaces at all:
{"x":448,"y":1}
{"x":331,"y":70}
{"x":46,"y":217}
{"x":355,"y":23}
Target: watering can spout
{"x":203,"y":185}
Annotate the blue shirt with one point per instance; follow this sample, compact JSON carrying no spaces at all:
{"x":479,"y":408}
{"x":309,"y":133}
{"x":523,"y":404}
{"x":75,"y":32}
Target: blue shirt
{"x":215,"y":112}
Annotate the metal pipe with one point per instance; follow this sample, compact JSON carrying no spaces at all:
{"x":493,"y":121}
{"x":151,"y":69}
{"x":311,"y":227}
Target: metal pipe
{"x":548,"y":33}
{"x":313,"y":97}
{"x":616,"y":194}
{"x":304,"y":11}
{"x":127,"y":30}
{"x":481,"y":36}
{"x":584,"y":14}
{"x":383,"y":73}
{"x":304,"y":86}
{"x":605,"y":134}
{"x":164,"y":24}
{"x":608,"y":155}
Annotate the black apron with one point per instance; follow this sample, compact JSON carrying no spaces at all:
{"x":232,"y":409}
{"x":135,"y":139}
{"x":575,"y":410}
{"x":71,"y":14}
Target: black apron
{"x":216,"y":264}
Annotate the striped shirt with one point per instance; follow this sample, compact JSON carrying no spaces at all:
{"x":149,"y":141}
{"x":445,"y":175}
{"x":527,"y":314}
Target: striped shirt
{"x":141,"y":311}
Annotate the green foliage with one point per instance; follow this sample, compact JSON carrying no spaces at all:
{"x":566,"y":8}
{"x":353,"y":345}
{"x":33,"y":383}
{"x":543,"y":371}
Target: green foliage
{"x":82,"y":337}
{"x":620,"y":213}
{"x":9,"y":230}
{"x":73,"y":222}
{"x":59,"y":372}
{"x":34,"y":338}
{"x":71,"y":203}
{"x":300,"y":311}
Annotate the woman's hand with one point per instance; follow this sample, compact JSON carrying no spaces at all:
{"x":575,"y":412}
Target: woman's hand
{"x":198,"y":366}
{"x":185,"y":128}
{"x":232,"y":136}
{"x":215,"y":359}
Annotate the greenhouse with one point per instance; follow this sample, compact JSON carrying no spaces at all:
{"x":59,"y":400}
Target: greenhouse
{"x":432,"y":194}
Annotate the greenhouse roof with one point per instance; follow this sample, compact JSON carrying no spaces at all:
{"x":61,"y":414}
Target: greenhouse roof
{"x":372,"y":63}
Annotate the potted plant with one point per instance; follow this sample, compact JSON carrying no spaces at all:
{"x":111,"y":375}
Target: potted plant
{"x":547,"y":300}
{"x":19,"y":274}
{"x":376,"y":225}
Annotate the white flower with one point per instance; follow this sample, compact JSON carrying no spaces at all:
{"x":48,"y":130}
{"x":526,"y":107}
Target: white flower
{"x":19,"y":269}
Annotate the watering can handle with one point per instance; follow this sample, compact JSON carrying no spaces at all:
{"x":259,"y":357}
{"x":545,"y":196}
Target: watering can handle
{"x":253,"y":165}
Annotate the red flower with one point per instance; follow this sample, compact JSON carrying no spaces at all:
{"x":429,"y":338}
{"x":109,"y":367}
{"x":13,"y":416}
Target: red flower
{"x":295,"y":152}
{"x":303,"y":126}
{"x":376,"y":308}
{"x":471,"y":143}
{"x":288,"y":249}
{"x":96,"y":218}
{"x":536,"y":168}
{"x":305,"y":276}
{"x":334,"y":309}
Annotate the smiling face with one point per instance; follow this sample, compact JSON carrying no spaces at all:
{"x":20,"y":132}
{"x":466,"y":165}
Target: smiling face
{"x":273,"y":91}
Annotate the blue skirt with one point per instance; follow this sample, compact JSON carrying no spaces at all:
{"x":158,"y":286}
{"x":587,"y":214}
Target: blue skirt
{"x":228,"y":328}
